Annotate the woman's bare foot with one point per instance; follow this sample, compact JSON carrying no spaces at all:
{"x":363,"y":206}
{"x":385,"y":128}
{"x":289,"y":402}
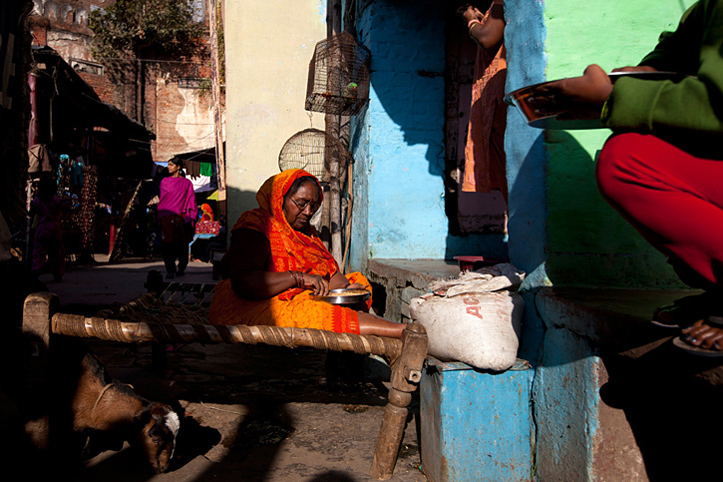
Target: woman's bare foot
{"x":704,"y":334}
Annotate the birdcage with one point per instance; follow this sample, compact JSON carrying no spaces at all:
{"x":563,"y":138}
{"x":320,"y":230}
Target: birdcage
{"x":312,"y":150}
{"x":338,"y":76}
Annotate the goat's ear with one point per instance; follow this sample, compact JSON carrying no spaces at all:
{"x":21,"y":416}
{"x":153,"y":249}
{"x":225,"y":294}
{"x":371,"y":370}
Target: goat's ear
{"x":142,"y":418}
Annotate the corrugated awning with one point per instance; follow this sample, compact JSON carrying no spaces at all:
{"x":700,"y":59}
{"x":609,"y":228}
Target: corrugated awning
{"x":80,"y":105}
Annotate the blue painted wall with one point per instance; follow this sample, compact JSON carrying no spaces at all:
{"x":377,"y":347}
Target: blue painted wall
{"x":398,"y":143}
{"x":557,"y":221}
{"x":526,"y":153}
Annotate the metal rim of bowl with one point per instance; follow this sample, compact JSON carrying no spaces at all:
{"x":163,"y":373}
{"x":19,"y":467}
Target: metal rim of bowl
{"x":336,"y":298}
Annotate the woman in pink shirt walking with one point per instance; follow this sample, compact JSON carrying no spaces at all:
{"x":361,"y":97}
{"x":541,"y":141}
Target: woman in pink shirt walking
{"x":177,"y":212}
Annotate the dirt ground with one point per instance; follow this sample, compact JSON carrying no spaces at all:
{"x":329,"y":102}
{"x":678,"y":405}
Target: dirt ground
{"x":250,"y":413}
{"x":258,"y":413}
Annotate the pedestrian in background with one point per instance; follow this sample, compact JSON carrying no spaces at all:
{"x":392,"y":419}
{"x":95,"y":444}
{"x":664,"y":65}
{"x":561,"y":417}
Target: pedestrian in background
{"x":48,"y":248}
{"x":177,"y":211}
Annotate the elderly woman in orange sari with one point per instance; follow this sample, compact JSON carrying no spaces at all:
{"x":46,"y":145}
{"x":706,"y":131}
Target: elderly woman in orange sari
{"x":276,"y":265}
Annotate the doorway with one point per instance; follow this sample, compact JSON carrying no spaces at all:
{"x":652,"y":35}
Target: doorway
{"x":468,"y":212}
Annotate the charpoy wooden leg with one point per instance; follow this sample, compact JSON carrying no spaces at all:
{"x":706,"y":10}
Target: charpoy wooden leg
{"x":154,"y":285}
{"x":37,"y":311}
{"x":406,"y":374}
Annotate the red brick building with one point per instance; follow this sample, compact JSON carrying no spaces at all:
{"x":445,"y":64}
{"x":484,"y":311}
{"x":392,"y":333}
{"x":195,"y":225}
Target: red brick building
{"x":170,"y":96}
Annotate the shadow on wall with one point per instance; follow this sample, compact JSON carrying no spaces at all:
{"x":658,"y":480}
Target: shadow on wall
{"x":589,"y":243}
{"x":238,"y":201}
{"x":408,"y":80}
{"x":247,"y":199}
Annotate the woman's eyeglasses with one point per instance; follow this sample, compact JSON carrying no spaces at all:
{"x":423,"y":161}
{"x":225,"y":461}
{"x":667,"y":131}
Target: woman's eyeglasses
{"x":304,"y":204}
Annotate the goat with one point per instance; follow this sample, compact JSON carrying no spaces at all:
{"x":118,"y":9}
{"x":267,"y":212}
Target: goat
{"x":105,"y":413}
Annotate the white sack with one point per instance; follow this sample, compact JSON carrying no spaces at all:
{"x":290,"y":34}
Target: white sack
{"x":492,"y":278}
{"x":468,"y":320}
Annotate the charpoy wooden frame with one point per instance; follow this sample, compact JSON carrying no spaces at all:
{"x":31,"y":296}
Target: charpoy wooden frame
{"x":156,"y":318}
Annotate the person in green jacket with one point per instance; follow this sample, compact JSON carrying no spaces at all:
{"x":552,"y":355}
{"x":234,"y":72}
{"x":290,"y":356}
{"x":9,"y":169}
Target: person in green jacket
{"x":662,"y":169}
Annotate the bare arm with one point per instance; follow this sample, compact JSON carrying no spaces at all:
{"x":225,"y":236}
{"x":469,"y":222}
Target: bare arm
{"x":635,"y":68}
{"x":246,"y":264}
{"x":487,"y":33}
{"x":582,"y":97}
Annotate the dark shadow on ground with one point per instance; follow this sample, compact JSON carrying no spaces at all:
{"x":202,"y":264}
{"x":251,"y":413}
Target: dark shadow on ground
{"x":671,"y":404}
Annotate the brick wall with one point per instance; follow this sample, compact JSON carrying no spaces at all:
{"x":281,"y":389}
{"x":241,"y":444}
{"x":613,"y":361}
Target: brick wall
{"x":180,"y":114}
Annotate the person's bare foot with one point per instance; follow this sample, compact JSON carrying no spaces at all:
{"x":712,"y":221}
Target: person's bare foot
{"x":706,"y":334}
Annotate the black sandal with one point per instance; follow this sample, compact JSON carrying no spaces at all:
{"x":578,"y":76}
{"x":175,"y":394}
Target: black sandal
{"x":685,"y":311}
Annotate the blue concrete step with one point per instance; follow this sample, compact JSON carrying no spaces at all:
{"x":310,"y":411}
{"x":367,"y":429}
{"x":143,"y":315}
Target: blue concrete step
{"x":613,"y":398}
{"x":476,"y":425}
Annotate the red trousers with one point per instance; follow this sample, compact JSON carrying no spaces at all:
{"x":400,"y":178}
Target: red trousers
{"x":674,"y":199}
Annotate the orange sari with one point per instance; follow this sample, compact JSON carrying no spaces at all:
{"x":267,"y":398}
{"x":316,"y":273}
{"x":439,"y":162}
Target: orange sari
{"x":290,"y":250}
{"x":485,"y":161}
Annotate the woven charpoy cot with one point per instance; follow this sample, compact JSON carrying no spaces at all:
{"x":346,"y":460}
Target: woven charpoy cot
{"x":165,"y":315}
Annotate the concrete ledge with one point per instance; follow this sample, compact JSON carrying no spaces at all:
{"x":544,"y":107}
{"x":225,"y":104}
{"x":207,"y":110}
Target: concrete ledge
{"x":613,"y":320}
{"x":609,"y":387}
{"x":401,"y":280}
{"x":417,"y":272}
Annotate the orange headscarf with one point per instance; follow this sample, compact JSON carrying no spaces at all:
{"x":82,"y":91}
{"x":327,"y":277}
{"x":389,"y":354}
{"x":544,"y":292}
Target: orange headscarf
{"x":290,"y":249}
{"x":207,"y":212}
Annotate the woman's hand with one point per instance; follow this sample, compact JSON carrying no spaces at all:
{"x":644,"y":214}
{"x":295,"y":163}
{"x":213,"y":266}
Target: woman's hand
{"x":318,"y":285}
{"x":472,"y":13}
{"x":355,"y":286}
{"x":580,"y":97}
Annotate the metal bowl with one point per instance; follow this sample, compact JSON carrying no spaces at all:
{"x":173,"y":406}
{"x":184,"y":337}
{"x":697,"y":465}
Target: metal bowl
{"x":344,"y":297}
{"x":544,"y":114}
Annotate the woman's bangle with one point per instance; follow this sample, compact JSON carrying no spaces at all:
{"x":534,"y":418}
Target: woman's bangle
{"x":298,"y":278}
{"x":472,"y":22}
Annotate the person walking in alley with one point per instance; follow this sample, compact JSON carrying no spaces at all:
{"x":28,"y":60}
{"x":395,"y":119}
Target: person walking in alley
{"x":662,"y":167}
{"x":177,"y":210}
{"x":485,"y":161}
{"x":48,"y":248}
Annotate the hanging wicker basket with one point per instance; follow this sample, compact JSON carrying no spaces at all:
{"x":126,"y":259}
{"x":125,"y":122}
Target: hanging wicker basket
{"x":311,"y":150}
{"x":338,"y":76}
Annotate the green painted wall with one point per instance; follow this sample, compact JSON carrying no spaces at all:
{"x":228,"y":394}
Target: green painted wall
{"x":588,"y":242}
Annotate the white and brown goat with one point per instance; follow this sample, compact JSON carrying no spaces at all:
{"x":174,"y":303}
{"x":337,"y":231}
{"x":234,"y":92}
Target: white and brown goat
{"x":106,"y":413}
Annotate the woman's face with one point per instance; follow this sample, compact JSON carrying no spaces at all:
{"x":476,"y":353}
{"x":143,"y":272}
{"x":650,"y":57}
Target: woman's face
{"x":300,"y":206}
{"x":172,"y":168}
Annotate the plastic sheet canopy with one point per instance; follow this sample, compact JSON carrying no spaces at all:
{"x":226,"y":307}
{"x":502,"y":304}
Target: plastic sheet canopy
{"x":338,"y":76}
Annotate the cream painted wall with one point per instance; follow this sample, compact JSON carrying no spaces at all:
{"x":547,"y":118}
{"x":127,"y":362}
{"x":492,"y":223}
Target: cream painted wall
{"x":269,"y":44}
